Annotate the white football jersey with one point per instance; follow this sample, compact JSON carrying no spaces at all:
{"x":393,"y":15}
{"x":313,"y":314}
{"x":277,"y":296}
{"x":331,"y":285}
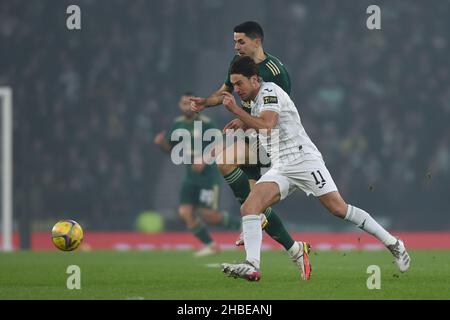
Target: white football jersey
{"x":289,"y":143}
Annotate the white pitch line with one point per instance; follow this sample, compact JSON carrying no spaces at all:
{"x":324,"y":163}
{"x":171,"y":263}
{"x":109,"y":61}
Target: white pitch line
{"x":213,"y":265}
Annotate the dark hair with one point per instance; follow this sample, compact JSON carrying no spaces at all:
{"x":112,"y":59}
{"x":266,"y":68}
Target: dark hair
{"x":251,"y":29}
{"x":188,"y":93}
{"x":244,"y":65}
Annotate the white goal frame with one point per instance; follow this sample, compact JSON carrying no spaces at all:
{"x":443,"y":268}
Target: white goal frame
{"x":7,"y":167}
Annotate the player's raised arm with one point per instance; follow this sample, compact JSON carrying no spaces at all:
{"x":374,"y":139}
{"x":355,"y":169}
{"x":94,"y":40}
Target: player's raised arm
{"x":198,"y":104}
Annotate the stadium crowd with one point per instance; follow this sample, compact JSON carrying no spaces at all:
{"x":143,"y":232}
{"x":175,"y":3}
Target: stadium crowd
{"x":87,"y":103}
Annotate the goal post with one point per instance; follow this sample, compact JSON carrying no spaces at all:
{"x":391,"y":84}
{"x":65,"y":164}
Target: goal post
{"x":6,"y":167}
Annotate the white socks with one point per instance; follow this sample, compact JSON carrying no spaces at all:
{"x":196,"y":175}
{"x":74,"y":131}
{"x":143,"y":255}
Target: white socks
{"x":364,"y":221}
{"x":294,"y":249}
{"x":251,"y":226}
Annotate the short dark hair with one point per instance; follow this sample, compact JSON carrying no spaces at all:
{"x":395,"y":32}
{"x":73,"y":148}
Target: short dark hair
{"x":251,"y":29}
{"x":188,"y":93}
{"x":244,"y":65}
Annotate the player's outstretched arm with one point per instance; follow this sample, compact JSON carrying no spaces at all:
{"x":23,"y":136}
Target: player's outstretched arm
{"x":160,"y":140}
{"x":198,"y":104}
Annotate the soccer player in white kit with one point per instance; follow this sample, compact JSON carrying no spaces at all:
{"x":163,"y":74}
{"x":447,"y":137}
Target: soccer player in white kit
{"x":296,"y":164}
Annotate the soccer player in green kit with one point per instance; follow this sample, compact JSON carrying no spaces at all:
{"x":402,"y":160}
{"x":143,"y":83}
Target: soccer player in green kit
{"x":200,"y":186}
{"x":248,"y":41}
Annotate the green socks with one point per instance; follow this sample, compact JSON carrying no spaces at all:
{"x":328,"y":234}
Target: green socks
{"x":276,"y":230}
{"x":201,"y":233}
{"x":238,"y":182}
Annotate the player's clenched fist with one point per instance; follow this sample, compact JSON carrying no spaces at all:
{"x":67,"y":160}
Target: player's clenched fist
{"x":198,"y":104}
{"x":229,"y":102}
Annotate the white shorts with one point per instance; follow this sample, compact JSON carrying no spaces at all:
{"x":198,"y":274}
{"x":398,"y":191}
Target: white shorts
{"x":312,"y":176}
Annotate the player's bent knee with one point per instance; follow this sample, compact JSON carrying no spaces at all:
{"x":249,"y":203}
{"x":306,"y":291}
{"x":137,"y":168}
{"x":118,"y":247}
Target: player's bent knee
{"x":186,"y":215}
{"x":250,"y":207}
{"x":210,"y":216}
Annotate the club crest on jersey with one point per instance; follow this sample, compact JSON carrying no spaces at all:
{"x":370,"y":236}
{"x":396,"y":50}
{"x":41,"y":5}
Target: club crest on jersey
{"x":270,"y":99}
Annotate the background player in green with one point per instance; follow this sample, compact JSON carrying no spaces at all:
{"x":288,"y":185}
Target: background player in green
{"x":248,"y":41}
{"x":200,"y":186}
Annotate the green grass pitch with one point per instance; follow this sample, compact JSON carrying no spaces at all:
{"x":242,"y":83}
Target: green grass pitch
{"x":177,"y":275}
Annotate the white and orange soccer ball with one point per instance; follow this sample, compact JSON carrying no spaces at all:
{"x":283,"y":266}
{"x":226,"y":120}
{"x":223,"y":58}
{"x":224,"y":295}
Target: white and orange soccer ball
{"x":67,"y":235}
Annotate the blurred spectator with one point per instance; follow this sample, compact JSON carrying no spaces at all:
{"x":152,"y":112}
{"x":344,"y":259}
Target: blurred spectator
{"x":376,"y":103}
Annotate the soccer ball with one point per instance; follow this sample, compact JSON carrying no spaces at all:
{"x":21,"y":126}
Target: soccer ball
{"x":67,"y":235}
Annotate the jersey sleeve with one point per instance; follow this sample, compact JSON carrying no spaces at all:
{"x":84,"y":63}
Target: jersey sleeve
{"x":284,"y":81}
{"x":270,"y":100}
{"x":274,"y":71}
